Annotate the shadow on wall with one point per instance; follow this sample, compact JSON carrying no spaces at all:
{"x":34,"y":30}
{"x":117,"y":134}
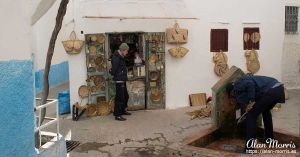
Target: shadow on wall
{"x":59,"y":74}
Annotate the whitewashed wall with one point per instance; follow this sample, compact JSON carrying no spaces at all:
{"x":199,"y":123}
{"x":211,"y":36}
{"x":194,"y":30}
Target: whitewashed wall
{"x":42,"y":31}
{"x":15,"y":30}
{"x":291,"y":55}
{"x":194,"y":72}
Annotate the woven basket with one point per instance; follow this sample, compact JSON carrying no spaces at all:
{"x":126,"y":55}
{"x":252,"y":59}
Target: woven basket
{"x":155,"y":95}
{"x":73,"y":45}
{"x":103,"y":109}
{"x":178,"y":52}
{"x":83,"y":91}
{"x":92,"y":110}
{"x":177,"y":35}
{"x":101,"y":38}
{"x":112,"y":104}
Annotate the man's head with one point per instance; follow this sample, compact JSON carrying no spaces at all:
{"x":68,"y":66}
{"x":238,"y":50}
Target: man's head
{"x":124,"y":49}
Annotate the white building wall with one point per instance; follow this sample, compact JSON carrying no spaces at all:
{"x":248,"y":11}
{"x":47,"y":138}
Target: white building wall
{"x":42,"y":31}
{"x":194,"y":72}
{"x":291,"y":55}
{"x":15,"y":30}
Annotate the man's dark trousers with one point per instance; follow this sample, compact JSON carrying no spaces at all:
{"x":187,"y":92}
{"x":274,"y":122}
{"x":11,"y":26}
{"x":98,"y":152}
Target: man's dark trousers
{"x":121,"y":99}
{"x":264,"y":106}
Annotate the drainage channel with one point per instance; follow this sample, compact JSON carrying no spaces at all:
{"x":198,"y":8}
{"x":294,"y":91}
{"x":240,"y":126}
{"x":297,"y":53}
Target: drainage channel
{"x":71,"y":145}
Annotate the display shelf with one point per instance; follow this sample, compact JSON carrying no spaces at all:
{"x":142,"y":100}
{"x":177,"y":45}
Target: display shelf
{"x":98,"y":51}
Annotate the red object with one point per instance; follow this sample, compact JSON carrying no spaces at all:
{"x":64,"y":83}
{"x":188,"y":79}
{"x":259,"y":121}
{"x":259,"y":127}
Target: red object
{"x":209,"y":99}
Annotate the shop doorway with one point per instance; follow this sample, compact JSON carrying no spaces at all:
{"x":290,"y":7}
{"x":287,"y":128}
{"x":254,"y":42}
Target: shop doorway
{"x":146,"y":68}
{"x":145,"y":63}
{"x":135,"y":62}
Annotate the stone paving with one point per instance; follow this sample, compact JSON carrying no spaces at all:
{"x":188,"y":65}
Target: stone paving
{"x":148,"y":133}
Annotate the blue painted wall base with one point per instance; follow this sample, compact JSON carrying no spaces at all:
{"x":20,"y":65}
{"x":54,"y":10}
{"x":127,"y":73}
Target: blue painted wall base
{"x":59,"y":74}
{"x":17,"y":114}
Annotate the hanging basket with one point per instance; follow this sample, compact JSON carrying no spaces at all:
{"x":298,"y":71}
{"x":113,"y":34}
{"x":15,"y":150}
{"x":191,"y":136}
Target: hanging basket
{"x":177,"y":35}
{"x":73,"y":46}
{"x":178,"y":52}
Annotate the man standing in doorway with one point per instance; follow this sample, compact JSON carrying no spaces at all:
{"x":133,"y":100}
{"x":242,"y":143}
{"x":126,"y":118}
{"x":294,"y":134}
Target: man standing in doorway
{"x":119,"y":72}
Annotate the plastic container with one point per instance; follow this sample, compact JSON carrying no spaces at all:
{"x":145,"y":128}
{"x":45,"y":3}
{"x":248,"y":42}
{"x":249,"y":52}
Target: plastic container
{"x":64,"y":102}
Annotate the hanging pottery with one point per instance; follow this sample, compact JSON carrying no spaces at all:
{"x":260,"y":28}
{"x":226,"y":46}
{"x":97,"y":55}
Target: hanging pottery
{"x":73,"y":45}
{"x":221,"y":67}
{"x":178,"y":52}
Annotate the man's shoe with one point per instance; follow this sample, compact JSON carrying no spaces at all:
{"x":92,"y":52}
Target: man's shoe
{"x":120,"y":118}
{"x":126,"y":113}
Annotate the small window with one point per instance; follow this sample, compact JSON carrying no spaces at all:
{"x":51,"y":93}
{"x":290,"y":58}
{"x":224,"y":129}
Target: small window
{"x":219,"y":40}
{"x":251,"y":44}
{"x":291,"y":19}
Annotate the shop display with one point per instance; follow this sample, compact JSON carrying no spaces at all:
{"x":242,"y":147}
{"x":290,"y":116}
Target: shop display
{"x":73,"y":45}
{"x":221,"y":66}
{"x":93,"y":37}
{"x":251,"y":44}
{"x":154,"y":75}
{"x":96,"y":67}
{"x":103,"y":108}
{"x":155,"y":95}
{"x":92,"y":50}
{"x":92,"y":110}
{"x":100,"y":98}
{"x":83,"y":91}
{"x":177,"y":35}
{"x":156,"y":70}
{"x":111,"y":104}
{"x":178,"y":52}
{"x":101,"y":38}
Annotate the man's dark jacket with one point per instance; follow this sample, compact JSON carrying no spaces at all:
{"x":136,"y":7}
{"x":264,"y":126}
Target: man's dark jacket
{"x":252,"y":88}
{"x":119,"y":70}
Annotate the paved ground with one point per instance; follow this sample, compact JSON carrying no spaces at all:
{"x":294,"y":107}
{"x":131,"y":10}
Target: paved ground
{"x":148,"y":133}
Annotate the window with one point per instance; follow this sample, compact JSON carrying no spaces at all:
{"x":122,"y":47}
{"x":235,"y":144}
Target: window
{"x":219,"y":40}
{"x":291,"y":19}
{"x":251,"y":44}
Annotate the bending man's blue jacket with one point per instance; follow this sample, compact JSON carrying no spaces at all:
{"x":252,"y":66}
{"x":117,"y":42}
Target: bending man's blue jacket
{"x":252,"y":88}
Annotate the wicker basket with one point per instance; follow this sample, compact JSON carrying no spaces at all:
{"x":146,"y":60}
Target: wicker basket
{"x":73,"y":46}
{"x":177,"y":35}
{"x":178,"y":52}
{"x":103,"y":109}
{"x":83,"y":91}
{"x":112,"y":104}
{"x":92,"y":110}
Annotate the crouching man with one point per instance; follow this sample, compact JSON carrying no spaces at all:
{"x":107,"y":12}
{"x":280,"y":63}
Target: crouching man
{"x":259,"y":94}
